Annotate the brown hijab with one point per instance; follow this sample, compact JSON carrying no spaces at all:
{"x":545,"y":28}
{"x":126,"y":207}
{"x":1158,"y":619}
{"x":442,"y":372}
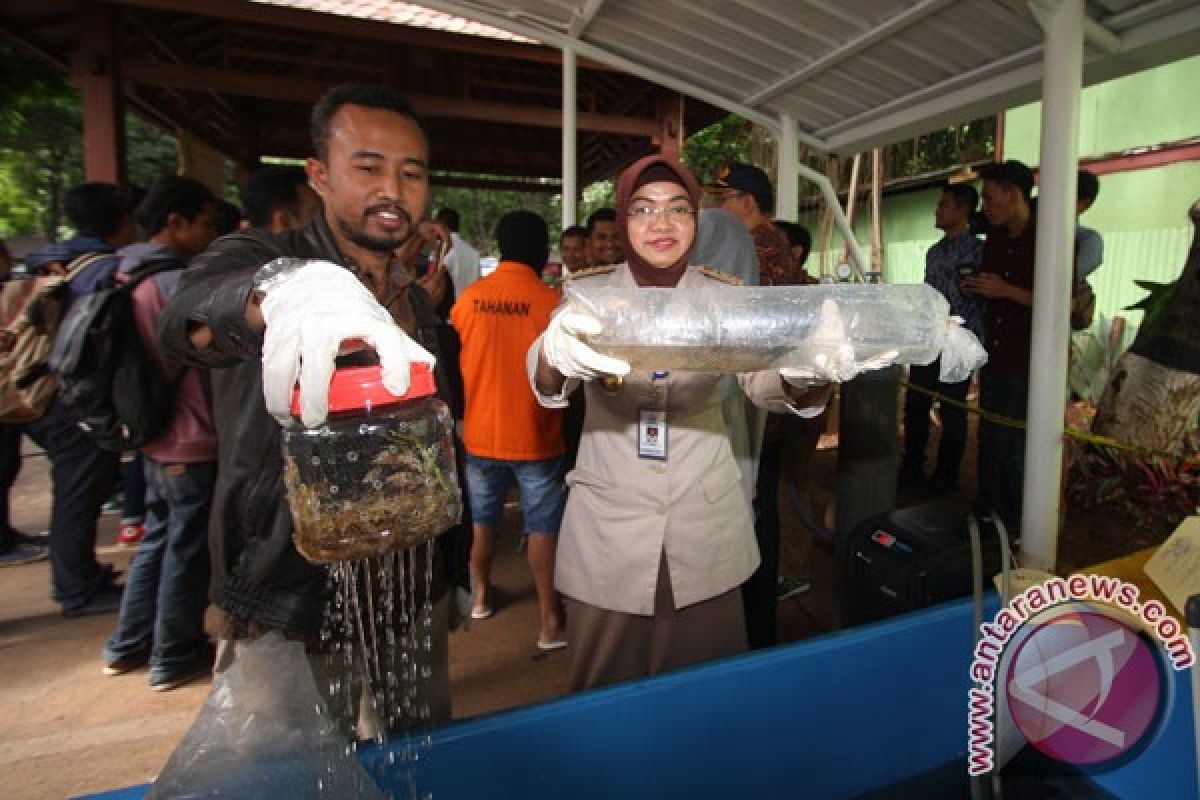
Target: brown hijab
{"x":648,"y":170}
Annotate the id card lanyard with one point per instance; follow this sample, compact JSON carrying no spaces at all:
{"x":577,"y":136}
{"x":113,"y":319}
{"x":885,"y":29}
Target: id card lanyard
{"x":652,"y":420}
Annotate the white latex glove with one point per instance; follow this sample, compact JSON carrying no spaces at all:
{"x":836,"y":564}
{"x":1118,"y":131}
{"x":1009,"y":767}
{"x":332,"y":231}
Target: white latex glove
{"x":566,"y":353}
{"x":830,"y":353}
{"x":310,"y":311}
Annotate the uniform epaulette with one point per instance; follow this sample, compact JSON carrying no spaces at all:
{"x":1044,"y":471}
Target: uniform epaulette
{"x":591,"y":271}
{"x":723,"y":277}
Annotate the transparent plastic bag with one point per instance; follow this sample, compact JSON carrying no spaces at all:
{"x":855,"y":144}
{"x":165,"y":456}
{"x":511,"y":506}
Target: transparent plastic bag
{"x":743,"y":329}
{"x":961,"y":353}
{"x":263,"y":734}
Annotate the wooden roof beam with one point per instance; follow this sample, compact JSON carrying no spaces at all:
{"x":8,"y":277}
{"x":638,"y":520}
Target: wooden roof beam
{"x":159,"y":39}
{"x":248,"y":84}
{"x":15,"y":34}
{"x":285,"y":61}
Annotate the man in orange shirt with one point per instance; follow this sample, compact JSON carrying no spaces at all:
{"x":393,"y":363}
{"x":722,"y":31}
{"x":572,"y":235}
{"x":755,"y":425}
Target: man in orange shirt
{"x":508,"y":435}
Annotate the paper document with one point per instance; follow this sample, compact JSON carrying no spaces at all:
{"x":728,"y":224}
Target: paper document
{"x":1175,"y":567}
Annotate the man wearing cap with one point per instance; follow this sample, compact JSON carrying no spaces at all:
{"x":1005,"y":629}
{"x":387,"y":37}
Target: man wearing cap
{"x":1005,"y":282}
{"x":745,"y":191}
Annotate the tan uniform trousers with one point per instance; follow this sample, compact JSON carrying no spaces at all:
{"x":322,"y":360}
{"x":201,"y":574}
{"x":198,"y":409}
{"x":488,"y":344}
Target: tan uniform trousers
{"x":612,"y":646}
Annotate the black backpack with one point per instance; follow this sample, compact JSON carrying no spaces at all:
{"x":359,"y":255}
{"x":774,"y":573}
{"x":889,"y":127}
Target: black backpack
{"x":106,"y":378}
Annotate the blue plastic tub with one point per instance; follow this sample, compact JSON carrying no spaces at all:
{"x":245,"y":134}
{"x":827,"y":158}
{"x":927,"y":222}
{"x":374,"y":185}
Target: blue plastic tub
{"x":852,"y":714}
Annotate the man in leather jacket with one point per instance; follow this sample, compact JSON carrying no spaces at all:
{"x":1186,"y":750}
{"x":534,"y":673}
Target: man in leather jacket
{"x":371,"y":171}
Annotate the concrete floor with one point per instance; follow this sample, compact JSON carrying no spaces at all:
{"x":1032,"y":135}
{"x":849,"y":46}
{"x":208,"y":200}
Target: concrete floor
{"x":66,"y":729}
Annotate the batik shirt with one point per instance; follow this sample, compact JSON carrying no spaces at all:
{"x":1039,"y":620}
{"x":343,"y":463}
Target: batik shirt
{"x":941,"y":272}
{"x":776,"y":267}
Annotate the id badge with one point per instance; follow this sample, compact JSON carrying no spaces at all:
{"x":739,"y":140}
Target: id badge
{"x":652,"y":434}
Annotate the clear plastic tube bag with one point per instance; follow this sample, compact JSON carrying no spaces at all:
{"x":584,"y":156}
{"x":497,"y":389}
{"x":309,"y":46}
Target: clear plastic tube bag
{"x":743,"y":329}
{"x":263,"y":734}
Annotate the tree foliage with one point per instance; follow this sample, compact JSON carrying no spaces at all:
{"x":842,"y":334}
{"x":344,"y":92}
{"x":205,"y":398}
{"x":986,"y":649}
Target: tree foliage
{"x":481,"y":209}
{"x":726,"y":140}
{"x":41,"y":146}
{"x":1158,"y":298}
{"x":942,"y":149}
{"x":735,"y":139}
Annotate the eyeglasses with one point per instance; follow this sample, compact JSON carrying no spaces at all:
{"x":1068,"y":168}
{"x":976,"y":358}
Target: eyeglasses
{"x":673,"y":213}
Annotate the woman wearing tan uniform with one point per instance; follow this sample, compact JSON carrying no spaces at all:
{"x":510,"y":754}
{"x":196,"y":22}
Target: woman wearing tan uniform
{"x":657,"y":535}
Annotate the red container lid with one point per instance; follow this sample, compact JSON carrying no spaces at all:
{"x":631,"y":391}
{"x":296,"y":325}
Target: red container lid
{"x":361,"y":388}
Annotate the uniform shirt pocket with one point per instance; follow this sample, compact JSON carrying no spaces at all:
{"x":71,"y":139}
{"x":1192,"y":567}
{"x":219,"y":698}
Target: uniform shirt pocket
{"x":720,"y":480}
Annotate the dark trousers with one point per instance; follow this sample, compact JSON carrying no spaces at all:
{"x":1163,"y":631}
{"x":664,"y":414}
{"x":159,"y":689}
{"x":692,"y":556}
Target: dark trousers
{"x":759,"y":591}
{"x":916,"y":422}
{"x":10,"y":466}
{"x":133,"y":485}
{"x":83,"y":476}
{"x":1002,"y":448}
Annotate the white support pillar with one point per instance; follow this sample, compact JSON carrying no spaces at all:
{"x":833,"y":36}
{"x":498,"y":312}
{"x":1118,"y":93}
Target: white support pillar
{"x":1062,"y":79}
{"x":787,"y":189}
{"x":787,"y":183}
{"x":570,"y":193}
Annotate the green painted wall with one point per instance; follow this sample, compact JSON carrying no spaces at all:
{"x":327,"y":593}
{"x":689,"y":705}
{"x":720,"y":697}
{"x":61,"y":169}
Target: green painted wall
{"x":1142,"y":214}
{"x":1150,"y":107}
{"x":908,"y":232}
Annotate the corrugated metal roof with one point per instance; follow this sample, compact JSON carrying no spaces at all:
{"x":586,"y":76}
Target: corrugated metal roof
{"x":400,"y":14}
{"x":854,"y":73}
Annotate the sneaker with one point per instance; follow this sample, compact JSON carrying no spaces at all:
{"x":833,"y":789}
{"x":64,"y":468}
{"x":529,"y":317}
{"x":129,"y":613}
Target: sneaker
{"x":791,"y":585}
{"x":24,"y":554}
{"x":127,"y":664}
{"x":131,"y":534}
{"x":105,"y":601}
{"x":164,"y":680}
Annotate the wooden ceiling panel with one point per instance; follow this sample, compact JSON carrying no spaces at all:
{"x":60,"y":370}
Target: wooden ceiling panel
{"x":243,"y":77}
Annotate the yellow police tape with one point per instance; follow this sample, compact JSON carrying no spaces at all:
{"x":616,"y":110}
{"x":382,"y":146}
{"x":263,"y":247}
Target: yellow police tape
{"x":1071,"y":433}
